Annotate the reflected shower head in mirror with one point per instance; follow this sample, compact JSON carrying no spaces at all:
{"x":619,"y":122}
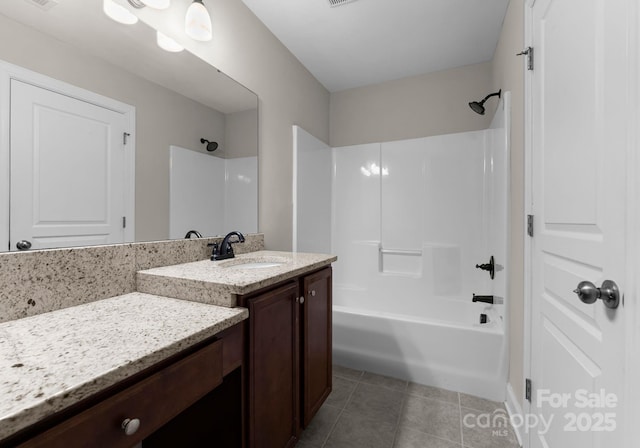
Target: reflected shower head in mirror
{"x":211,"y":146}
{"x":478,"y":106}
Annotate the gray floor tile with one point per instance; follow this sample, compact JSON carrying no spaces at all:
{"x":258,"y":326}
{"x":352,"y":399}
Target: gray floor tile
{"x":376,"y":402}
{"x":492,"y":437}
{"x":384,"y":381}
{"x":340,"y":392}
{"x":346,"y":372}
{"x":409,"y":438}
{"x":359,"y":431}
{"x":433,"y":392}
{"x":321,"y":425}
{"x":480,"y":404}
{"x":433,"y":417}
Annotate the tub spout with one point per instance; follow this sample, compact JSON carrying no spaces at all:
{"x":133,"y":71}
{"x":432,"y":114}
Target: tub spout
{"x":485,"y":299}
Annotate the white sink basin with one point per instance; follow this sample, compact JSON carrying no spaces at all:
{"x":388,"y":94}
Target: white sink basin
{"x":255,"y":265}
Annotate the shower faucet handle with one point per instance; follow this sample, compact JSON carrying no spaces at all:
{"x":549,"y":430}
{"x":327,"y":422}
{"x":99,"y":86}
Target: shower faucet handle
{"x":484,"y":299}
{"x":491,"y":267}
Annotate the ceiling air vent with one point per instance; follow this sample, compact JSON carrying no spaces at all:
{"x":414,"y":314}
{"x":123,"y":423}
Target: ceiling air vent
{"x":43,"y":4}
{"x":334,"y":3}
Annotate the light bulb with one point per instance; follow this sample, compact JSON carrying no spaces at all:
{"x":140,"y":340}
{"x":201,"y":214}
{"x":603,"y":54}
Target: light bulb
{"x":157,"y":4}
{"x":197,"y":23}
{"x":118,"y":13}
{"x":168,"y":44}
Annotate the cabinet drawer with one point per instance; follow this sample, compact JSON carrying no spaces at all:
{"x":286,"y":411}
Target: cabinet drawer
{"x":154,"y":401}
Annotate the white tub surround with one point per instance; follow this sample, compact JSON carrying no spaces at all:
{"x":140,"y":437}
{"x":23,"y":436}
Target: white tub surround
{"x":411,"y":219}
{"x":219,"y":283}
{"x":54,"y":360}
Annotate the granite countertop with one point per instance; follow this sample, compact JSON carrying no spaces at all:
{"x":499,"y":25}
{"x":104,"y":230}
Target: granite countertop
{"x":53,"y":360}
{"x":215,"y":282}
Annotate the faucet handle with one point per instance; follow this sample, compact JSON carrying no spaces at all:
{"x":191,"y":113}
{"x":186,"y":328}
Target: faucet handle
{"x":215,"y":251}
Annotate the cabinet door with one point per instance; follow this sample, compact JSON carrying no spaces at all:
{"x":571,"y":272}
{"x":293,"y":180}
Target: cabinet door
{"x":273,"y":373}
{"x":316,"y":341}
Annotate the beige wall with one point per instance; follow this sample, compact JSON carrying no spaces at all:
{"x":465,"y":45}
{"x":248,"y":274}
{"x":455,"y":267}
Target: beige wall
{"x":241,"y":134}
{"x":419,"y":106}
{"x":508,"y":74}
{"x":163,"y":117}
{"x":243,"y":48}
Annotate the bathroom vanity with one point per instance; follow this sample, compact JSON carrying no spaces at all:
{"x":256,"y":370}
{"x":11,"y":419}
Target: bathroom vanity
{"x":233,"y":353}
{"x":113,"y":371}
{"x":288,"y":333}
{"x":289,"y":357}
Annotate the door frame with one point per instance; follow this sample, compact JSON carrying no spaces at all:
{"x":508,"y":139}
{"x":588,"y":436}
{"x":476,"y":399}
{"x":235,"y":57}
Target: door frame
{"x":631,"y":413}
{"x":10,"y":72}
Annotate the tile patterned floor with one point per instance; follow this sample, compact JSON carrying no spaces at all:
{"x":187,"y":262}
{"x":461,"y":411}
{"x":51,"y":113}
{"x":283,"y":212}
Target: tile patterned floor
{"x":373,"y":411}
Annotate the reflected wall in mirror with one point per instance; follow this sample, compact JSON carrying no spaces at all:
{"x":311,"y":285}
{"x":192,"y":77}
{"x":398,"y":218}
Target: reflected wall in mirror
{"x":178,"y":100}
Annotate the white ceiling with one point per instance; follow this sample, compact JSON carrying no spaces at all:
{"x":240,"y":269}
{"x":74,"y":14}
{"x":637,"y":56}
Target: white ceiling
{"x":371,"y":41}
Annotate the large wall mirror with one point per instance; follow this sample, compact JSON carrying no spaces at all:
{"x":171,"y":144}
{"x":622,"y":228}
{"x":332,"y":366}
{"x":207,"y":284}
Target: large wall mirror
{"x":76,"y":84}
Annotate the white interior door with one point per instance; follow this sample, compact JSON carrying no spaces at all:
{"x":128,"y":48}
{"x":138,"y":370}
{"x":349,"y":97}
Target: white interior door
{"x":67,"y":170}
{"x":579,"y":150}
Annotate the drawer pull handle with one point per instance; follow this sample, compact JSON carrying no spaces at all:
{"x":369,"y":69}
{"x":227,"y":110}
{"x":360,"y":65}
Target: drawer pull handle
{"x":131,"y":426}
{"x":313,"y":293}
{"x":300,"y":300}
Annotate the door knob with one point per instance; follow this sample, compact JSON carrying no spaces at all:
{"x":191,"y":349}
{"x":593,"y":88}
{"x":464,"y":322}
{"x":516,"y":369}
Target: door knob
{"x":23,"y":245}
{"x":608,"y":292}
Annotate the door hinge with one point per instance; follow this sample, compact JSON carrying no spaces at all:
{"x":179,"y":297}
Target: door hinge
{"x":124,"y":222}
{"x":529,"y":53}
{"x":125,"y":136}
{"x":530,"y":225}
{"x":527,"y":389}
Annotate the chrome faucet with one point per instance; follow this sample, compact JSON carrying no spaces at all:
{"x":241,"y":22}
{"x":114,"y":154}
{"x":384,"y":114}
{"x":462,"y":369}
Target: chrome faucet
{"x":194,"y":233}
{"x":225,"y":250}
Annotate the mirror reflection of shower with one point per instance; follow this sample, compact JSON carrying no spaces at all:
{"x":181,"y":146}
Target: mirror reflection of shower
{"x":478,"y":106}
{"x":211,"y":146}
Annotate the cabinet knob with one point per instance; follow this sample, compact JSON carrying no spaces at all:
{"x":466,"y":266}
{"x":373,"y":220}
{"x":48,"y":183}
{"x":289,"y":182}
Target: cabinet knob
{"x":130,"y":426}
{"x":312,"y":292}
{"x":300,"y":300}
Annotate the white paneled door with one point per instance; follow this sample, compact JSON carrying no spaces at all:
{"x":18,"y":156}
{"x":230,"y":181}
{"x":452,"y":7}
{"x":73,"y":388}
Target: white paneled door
{"x":67,"y":170}
{"x":579,"y":155}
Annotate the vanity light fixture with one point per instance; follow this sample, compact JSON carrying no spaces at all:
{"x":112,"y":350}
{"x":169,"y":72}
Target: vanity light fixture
{"x":118,"y":13}
{"x":168,"y":44}
{"x":157,"y":4}
{"x":197,"y":23}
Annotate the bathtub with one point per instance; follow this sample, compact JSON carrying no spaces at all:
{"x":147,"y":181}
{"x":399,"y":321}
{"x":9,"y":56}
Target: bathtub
{"x":450,"y":349}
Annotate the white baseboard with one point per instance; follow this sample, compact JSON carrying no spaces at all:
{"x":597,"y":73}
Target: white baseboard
{"x":513,"y":408}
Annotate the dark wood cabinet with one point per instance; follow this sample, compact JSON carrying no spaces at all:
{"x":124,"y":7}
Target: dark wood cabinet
{"x":273,"y":372}
{"x":316,"y":342}
{"x":288,"y":358}
{"x":196,"y":393}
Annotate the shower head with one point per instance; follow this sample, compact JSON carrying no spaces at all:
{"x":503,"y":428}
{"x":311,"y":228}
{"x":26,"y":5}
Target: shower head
{"x":478,"y":106}
{"x":211,"y":146}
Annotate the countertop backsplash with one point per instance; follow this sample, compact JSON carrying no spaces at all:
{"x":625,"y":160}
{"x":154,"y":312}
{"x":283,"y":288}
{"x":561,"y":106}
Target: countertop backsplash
{"x":46,"y":280}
